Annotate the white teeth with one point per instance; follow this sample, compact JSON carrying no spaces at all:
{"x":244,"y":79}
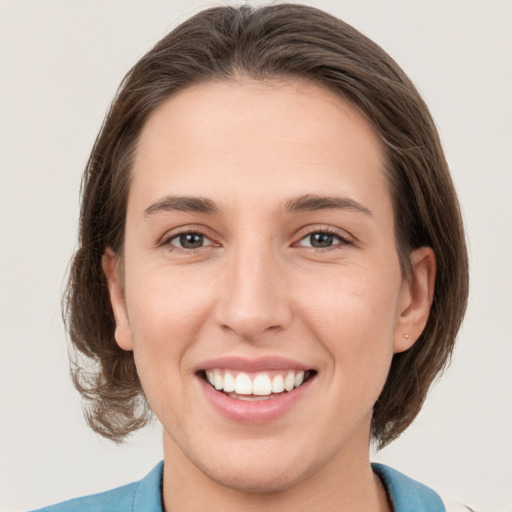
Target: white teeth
{"x":299,"y":378}
{"x":289,"y":381}
{"x":229,"y":382}
{"x":243,"y":384}
{"x":278,"y":384}
{"x":218,"y":381}
{"x":261,"y":385}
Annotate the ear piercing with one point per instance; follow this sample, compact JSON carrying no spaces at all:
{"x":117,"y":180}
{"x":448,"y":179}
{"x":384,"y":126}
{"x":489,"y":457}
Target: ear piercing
{"x":406,"y":336}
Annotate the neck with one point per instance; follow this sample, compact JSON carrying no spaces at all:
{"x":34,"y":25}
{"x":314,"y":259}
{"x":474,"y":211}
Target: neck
{"x":343,"y":484}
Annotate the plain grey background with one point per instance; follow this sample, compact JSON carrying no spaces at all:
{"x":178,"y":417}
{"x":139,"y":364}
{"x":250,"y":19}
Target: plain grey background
{"x":60,"y":64}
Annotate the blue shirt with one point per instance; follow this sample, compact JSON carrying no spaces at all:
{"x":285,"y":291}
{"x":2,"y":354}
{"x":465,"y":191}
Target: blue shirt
{"x":406,"y":495}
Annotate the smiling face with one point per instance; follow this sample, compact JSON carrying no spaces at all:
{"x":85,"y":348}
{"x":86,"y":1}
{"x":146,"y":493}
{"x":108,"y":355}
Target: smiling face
{"x":260,"y":256}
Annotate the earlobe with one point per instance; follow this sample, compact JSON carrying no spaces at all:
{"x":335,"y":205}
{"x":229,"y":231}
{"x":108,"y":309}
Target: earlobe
{"x":110,"y":265}
{"x":415,"y":299}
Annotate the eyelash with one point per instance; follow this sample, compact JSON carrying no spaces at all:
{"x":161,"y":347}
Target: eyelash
{"x":167,"y":241}
{"x":343,"y":240}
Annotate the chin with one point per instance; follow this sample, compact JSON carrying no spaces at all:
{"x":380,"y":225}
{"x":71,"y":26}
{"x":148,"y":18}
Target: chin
{"x":260,"y":471}
{"x":256,"y":480}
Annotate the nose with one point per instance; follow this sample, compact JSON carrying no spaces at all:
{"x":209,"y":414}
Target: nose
{"x":254,"y":297}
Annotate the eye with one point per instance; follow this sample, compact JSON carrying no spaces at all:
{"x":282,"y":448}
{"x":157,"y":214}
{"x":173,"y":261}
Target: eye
{"x":190,"y":240}
{"x":322,"y":240}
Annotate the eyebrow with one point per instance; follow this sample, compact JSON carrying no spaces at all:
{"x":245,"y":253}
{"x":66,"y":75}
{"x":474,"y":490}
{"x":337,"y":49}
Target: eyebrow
{"x":182,"y":204}
{"x":305,"y":203}
{"x":311,"y":202}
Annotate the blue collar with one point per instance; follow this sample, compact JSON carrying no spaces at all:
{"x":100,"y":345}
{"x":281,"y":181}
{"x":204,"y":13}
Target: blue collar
{"x":407,"y":494}
{"x":148,"y":495}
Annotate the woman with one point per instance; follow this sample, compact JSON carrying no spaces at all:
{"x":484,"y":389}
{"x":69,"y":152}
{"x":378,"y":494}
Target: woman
{"x":272,"y":261}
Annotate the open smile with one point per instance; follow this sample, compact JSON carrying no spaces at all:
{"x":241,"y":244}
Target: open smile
{"x":253,"y":386}
{"x":254,"y":392}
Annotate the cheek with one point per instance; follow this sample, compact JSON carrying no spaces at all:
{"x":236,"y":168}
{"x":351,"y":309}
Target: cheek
{"x":161,"y":298}
{"x":167,"y":312}
{"x":363,"y":299}
{"x":354,"y":318}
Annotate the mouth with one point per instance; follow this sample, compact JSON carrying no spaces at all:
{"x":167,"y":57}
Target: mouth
{"x":255,"y":386}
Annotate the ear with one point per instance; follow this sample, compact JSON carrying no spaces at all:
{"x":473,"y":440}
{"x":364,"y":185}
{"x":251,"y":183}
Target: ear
{"x":111,"y":268}
{"x":415,"y":299}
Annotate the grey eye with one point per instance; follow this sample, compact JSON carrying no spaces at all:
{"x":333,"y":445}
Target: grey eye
{"x":189,"y":241}
{"x":320,"y":240}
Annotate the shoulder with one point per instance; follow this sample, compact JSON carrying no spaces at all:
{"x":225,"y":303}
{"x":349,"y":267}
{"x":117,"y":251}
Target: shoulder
{"x":120,"y":499}
{"x":407,"y":494}
{"x":144,"y":495}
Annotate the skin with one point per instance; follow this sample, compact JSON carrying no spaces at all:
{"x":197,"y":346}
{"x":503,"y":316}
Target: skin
{"x":258,"y":288}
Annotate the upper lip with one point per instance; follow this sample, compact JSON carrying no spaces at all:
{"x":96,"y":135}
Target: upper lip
{"x":252,"y":365}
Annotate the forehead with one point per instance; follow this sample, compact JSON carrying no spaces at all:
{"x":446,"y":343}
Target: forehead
{"x":247,"y":138}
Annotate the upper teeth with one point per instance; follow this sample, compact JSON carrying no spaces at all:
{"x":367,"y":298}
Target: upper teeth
{"x":254,"y":384}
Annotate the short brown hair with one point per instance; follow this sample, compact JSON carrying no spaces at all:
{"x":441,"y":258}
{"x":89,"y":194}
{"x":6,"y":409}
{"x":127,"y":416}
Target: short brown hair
{"x":278,"y":41}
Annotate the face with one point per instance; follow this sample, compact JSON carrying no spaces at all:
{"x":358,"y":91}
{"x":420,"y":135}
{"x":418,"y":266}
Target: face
{"x":260,"y":288}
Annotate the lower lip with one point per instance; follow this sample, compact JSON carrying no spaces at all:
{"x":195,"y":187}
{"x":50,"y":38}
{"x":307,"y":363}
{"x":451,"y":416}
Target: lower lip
{"x":255,"y":412}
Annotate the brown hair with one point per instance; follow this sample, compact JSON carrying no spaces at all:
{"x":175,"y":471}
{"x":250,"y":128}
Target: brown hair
{"x":277,"y":41}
